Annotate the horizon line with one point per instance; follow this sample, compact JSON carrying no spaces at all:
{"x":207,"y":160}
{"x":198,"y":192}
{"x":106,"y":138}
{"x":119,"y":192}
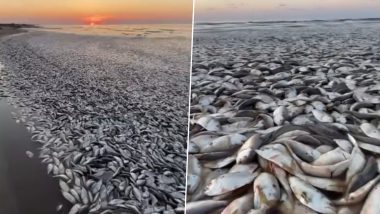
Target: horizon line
{"x":41,"y":24}
{"x":289,"y":20}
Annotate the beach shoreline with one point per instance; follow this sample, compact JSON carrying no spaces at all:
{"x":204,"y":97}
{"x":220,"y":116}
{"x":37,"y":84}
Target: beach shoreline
{"x":23,"y":180}
{"x":119,"y":105}
{"x":9,"y":29}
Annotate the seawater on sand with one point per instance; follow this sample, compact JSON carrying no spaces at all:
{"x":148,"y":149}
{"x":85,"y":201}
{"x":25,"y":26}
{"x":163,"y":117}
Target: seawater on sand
{"x":285,"y":119}
{"x":132,"y":31}
{"x":24,"y":183}
{"x":109,"y":115}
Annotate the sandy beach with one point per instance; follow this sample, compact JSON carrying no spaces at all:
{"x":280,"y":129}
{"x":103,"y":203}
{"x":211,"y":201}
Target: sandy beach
{"x":108,"y":114}
{"x":285,"y":117}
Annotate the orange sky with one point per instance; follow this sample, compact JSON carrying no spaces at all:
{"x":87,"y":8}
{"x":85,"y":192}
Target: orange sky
{"x":95,"y":11}
{"x":258,"y":10}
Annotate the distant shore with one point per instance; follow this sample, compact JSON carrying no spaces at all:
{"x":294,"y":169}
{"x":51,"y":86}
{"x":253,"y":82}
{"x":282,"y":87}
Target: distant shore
{"x":283,"y":21}
{"x":8,"y":29}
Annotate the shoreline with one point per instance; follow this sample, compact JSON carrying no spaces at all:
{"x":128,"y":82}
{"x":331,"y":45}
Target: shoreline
{"x":287,"y":21}
{"x":9,"y":29}
{"x":114,"y":106}
{"x":125,"y":31}
{"x":24,"y":188}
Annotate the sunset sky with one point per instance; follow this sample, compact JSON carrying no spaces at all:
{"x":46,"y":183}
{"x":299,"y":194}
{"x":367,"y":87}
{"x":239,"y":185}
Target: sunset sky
{"x":95,"y":11}
{"x":248,"y":10}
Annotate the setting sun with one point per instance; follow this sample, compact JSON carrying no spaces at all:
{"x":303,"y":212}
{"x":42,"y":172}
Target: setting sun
{"x":95,"y":20}
{"x":95,"y":12}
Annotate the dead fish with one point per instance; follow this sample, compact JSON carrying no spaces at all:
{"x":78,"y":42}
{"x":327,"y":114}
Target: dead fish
{"x":351,"y":209}
{"x":206,"y":100}
{"x":280,"y":115}
{"x":356,"y":106}
{"x":224,"y":143}
{"x":64,"y":186}
{"x":229,"y":182}
{"x":202,"y":138}
{"x":357,"y":164}
{"x":29,"y":154}
{"x":279,"y":155}
{"x":339,"y":118}
{"x":324,"y":148}
{"x":361,"y":96}
{"x":239,"y":126}
{"x":318,"y":105}
{"x":69,"y":197}
{"x":212,"y":156}
{"x":209,"y":123}
{"x":207,"y":176}
{"x":193,"y":148}
{"x":290,"y":135}
{"x":267,"y":120}
{"x":327,"y":171}
{"x":311,"y":197}
{"x":369,"y":140}
{"x":266,"y":190}
{"x":328,"y":184}
{"x":368,"y":173}
{"x":299,"y":208}
{"x":322,"y":116}
{"x":359,"y":194}
{"x":344,"y":144}
{"x":281,"y":176}
{"x":370,"y":130}
{"x":204,"y":207}
{"x":370,"y":148}
{"x":305,"y":152}
{"x":301,"y":120}
{"x":194,"y":174}
{"x":243,"y":168}
{"x":216,"y":164}
{"x":371,"y":204}
{"x":247,"y":151}
{"x":308,"y":139}
{"x":332,"y":157}
{"x":75,"y":209}
{"x":240,"y":205}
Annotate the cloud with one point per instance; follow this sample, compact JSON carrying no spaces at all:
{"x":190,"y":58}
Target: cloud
{"x":282,"y":5}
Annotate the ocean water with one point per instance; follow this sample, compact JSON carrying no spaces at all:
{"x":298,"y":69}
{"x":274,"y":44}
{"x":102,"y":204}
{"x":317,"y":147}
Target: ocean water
{"x":131,"y":30}
{"x":25,"y":186}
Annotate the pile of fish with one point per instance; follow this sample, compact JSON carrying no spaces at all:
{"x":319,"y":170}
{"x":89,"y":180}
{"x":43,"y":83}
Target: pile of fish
{"x":108,"y":127}
{"x":285,"y":121}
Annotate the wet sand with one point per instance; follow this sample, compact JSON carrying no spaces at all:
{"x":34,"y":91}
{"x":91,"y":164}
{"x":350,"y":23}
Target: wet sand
{"x":4,"y":31}
{"x":25,"y":186}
